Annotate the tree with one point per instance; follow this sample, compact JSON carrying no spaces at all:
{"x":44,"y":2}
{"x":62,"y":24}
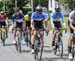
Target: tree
{"x":67,"y":3}
{"x":41,"y":2}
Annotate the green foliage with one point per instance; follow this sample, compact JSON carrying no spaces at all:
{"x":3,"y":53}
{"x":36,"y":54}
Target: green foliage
{"x":42,"y":2}
{"x":26,"y":9}
{"x":1,"y":5}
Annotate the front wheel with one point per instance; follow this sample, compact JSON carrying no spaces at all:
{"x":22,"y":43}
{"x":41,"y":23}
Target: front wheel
{"x":41,"y":49}
{"x":3,"y":37}
{"x":19,"y":45}
{"x":60,"y":49}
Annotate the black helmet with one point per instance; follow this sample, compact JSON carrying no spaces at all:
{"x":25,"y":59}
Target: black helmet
{"x":16,"y":9}
{"x":57,"y":9}
{"x":29,"y":13}
{"x":39,"y":9}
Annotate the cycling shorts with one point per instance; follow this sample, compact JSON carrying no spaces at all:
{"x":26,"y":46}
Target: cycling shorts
{"x":19,"y":25}
{"x":57,"y":24}
{"x":38,"y":24}
{"x":2,"y":23}
{"x":28,"y":24}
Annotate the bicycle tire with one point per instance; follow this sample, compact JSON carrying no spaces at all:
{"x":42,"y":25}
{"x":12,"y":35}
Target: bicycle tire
{"x":19,"y":45}
{"x":60,"y":46}
{"x":3,"y":37}
{"x":55,"y":50}
{"x":73,"y":52}
{"x":16,"y":45}
{"x":41,"y":51}
{"x":36,"y":50}
{"x":26,"y":38}
{"x":61,"y":50}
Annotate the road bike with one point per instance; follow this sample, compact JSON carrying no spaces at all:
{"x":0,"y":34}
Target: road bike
{"x":38,"y":45}
{"x":59,"y":42}
{"x":26,"y":35}
{"x":18,"y":39}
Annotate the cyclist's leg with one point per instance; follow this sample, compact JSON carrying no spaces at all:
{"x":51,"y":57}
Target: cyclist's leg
{"x":70,"y":39}
{"x":41,"y":32}
{"x":33,"y":39}
{"x":54,"y":33}
{"x":42,"y":35}
{"x":29,"y":30}
{"x":53,"y":37}
{"x":70,"y":42}
{"x":0,"y":28}
{"x":14,"y":31}
{"x":6,"y":28}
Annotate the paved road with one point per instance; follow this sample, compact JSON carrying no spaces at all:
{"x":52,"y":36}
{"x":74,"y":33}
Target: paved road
{"x":9,"y":53}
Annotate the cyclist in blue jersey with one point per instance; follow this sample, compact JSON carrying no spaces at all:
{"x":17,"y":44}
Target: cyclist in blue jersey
{"x":37,"y":19}
{"x":18,"y":20}
{"x":56,"y":22}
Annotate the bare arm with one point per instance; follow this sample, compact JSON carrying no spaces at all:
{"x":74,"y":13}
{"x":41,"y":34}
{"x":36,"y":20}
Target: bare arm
{"x":72,"y":26}
{"x":32,"y":24}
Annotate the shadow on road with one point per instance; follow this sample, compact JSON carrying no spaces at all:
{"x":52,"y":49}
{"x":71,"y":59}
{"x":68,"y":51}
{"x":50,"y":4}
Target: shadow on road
{"x":56,"y":59}
{"x":9,"y":44}
{"x":25,"y":51}
{"x":47,"y":51}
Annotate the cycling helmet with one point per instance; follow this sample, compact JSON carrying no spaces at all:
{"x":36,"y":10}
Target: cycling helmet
{"x":16,"y":9}
{"x":2,"y":12}
{"x":29,"y":13}
{"x":57,"y":9}
{"x":39,"y":9}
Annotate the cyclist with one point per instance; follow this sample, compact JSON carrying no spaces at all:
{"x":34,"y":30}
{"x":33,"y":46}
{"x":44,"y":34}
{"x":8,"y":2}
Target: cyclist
{"x":18,"y":21}
{"x":4,"y":21}
{"x":37,"y":19}
{"x":27,"y":18}
{"x":56,"y":22}
{"x":72,"y":29}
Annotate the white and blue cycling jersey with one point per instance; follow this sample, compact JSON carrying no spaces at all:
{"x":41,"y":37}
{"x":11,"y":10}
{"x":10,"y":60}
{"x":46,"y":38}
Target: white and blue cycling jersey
{"x":42,"y":17}
{"x":72,"y":17}
{"x":18,"y":18}
{"x":57,"y":17}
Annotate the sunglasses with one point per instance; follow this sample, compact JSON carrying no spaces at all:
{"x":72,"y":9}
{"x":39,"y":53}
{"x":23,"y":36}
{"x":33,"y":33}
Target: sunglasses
{"x":39,"y":13}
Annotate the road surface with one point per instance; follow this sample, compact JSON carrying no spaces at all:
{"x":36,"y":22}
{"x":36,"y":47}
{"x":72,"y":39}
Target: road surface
{"x":9,"y":53}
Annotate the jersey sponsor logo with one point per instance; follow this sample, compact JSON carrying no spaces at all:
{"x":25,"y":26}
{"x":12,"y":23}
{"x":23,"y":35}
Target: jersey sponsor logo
{"x":19,"y":20}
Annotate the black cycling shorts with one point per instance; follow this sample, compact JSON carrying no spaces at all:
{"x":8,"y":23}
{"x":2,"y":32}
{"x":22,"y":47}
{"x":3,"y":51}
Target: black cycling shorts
{"x":57,"y":24}
{"x":28,"y":24}
{"x":2,"y":23}
{"x":19,"y":25}
{"x":38,"y":24}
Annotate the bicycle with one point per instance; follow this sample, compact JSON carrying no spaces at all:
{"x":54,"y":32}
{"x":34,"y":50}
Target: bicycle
{"x":38,"y":46}
{"x":18,"y":39}
{"x":27,"y":38}
{"x":59,"y":42}
{"x":3,"y":34}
